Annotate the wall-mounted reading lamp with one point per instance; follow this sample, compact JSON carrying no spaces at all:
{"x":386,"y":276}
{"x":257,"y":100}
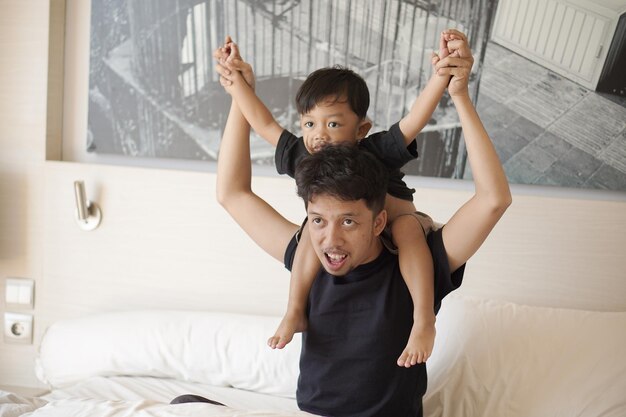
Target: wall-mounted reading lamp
{"x":88,"y":214}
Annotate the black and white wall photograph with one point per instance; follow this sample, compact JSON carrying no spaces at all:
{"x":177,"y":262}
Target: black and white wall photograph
{"x":545,"y":78}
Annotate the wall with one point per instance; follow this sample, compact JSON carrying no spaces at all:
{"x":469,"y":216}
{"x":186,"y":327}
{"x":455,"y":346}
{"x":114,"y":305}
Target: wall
{"x":23,"y":75}
{"x":162,"y":240}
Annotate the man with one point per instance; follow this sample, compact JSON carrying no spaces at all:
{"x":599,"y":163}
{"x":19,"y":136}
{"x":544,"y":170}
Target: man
{"x":360,"y":311}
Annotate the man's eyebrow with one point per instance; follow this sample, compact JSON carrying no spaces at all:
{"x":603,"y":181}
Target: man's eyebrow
{"x":348,"y":214}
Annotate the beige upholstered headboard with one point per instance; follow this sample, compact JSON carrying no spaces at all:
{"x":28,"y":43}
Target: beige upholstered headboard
{"x":164,"y":242}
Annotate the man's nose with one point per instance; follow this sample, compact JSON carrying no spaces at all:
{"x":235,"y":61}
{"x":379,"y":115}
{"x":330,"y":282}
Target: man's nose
{"x":334,"y":236}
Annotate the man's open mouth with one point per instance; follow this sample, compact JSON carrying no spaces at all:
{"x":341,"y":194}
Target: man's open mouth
{"x":335,"y":260}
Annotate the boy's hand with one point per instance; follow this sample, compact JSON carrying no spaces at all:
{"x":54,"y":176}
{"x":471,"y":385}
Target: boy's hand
{"x":229,"y":63}
{"x":444,"y":50}
{"x":234,"y":72}
{"x":234,"y":62}
{"x":457,"y":41}
{"x":228,"y":78}
{"x":458,"y":63}
{"x":449,"y":35}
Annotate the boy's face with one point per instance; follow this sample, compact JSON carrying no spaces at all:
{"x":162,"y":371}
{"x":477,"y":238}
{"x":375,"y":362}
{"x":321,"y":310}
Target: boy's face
{"x":332,"y":122}
{"x":344,"y":234}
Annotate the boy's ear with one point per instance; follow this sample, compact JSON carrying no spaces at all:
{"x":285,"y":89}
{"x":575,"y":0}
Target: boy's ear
{"x":363,"y":128}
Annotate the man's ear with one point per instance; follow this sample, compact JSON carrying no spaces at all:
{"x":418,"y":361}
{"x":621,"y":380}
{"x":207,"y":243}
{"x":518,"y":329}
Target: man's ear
{"x":364,"y":127}
{"x":380,"y":221}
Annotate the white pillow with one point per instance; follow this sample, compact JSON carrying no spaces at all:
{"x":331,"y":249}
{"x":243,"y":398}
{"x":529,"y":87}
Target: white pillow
{"x":212,"y":348}
{"x":501,"y":359}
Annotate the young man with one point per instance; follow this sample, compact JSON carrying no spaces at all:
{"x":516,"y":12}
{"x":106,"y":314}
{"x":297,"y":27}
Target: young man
{"x":333,"y":104}
{"x":347,"y":361}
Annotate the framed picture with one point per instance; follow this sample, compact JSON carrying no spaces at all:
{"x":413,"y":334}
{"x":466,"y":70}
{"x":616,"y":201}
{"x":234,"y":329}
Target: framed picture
{"x":154,"y":93}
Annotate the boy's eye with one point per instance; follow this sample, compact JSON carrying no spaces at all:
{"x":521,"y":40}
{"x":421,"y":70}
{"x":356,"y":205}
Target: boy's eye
{"x":333,"y":124}
{"x":308,"y":124}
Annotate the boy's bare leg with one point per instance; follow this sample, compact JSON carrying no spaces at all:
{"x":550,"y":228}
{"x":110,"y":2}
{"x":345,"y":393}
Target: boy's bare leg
{"x":305,"y":268}
{"x":416,"y":266}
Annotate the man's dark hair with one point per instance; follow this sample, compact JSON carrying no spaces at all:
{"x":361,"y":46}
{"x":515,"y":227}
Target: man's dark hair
{"x":344,"y":172}
{"x":334,"y":83}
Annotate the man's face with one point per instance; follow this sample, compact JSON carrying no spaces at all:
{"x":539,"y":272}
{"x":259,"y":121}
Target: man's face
{"x":344,"y":234}
{"x":331,"y":122}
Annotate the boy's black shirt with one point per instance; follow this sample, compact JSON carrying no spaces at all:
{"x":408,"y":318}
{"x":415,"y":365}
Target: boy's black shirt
{"x":388,"y":146}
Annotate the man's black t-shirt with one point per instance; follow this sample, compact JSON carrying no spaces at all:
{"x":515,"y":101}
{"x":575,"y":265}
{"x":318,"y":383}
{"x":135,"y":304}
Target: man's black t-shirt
{"x":387,"y":146}
{"x":358,"y":325}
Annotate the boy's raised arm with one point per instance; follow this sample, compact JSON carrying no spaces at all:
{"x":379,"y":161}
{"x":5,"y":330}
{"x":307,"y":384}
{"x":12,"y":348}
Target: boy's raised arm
{"x":268,"y":228}
{"x":428,"y":99}
{"x":468,"y":228}
{"x":253,"y":109}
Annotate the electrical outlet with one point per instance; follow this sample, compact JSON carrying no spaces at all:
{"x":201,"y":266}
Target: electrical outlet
{"x":18,"y":328}
{"x":19,"y":293}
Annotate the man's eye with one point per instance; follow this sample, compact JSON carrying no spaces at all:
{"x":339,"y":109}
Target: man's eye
{"x":316,"y":220}
{"x":308,"y":124}
{"x":333,"y":124}
{"x":348,"y":222}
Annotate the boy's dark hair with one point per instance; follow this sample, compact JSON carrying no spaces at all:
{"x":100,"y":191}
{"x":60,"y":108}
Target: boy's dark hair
{"x":334,"y":83}
{"x":344,"y":172}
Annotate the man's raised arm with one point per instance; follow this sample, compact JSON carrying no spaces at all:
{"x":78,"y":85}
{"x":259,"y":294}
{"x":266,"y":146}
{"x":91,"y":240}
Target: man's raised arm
{"x":268,"y":228}
{"x":468,"y":228}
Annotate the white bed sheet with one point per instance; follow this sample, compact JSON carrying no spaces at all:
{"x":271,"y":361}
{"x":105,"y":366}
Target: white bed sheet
{"x":163,"y":390}
{"x":83,"y":407}
{"x":122,"y":396}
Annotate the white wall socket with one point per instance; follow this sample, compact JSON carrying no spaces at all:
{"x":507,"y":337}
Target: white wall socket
{"x":18,"y":328}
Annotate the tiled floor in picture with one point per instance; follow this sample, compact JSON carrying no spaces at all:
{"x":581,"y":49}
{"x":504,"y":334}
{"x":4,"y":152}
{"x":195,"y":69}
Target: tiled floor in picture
{"x":549,"y":130}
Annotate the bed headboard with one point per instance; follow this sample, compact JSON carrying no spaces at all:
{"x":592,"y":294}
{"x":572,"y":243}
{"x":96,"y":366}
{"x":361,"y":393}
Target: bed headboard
{"x":165,"y":242}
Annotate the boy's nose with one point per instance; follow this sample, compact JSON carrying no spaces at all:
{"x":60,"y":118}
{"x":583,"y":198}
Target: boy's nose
{"x":321,"y":134}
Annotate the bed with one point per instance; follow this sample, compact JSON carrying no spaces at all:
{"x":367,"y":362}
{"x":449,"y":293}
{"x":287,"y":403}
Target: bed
{"x":491,"y":358}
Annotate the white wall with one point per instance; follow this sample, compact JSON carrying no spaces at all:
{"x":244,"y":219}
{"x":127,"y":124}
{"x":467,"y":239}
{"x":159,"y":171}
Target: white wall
{"x":23,"y":74}
{"x":165,"y":243}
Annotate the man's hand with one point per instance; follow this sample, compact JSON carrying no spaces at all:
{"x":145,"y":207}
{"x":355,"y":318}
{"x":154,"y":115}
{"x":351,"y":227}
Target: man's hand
{"x":458,"y":63}
{"x":221,"y":53}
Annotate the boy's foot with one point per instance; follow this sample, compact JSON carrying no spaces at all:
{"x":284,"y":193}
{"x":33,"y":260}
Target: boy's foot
{"x":420,"y":345}
{"x":289,"y":325}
